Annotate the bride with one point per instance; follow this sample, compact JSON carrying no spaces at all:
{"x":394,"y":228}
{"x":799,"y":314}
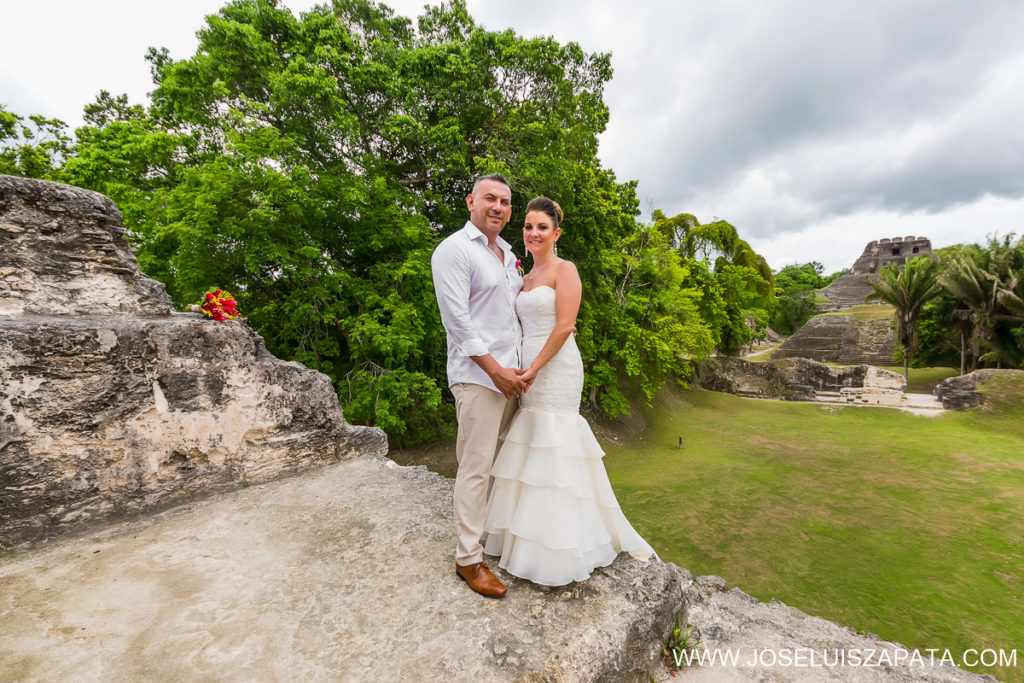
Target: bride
{"x":552,"y":516}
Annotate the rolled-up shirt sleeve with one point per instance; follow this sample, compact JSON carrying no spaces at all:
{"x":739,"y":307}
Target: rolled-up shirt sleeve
{"x":452,"y":281}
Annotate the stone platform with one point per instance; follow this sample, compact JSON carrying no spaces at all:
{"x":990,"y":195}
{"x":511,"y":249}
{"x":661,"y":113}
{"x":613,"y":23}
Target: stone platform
{"x":342,"y":574}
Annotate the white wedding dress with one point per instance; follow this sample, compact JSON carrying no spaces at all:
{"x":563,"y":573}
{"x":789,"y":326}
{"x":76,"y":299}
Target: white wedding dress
{"x":552,"y":516}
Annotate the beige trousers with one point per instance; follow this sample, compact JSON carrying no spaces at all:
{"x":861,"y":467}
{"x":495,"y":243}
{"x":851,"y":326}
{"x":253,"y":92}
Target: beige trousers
{"x":483,"y":415}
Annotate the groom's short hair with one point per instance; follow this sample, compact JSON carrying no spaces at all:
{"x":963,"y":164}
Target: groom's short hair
{"x":496,"y":177}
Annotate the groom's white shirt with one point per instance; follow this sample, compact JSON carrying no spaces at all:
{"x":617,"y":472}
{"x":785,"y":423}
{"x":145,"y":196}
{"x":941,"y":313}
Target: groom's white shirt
{"x":476,"y":295}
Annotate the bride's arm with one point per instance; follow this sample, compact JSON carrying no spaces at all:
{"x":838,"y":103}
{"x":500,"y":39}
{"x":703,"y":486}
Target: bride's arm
{"x":568,"y":291}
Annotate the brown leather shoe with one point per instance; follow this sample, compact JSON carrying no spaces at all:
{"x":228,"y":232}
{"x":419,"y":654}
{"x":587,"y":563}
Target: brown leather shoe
{"x":480,"y":579}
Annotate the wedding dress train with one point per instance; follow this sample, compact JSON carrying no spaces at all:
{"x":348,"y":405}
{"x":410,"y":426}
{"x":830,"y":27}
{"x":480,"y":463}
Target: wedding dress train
{"x":552,"y":516}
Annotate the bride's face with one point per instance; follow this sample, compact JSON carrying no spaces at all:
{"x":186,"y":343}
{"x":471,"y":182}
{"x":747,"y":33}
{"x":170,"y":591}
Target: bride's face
{"x":540,"y":233}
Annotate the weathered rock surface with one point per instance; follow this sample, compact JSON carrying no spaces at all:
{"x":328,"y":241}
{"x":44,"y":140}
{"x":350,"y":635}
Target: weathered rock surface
{"x":63,"y":251}
{"x":345,"y":573}
{"x":962,"y":393}
{"x":756,"y":641}
{"x":111,"y":404}
{"x":118,"y":414}
{"x":837,"y":338}
{"x":795,"y":379}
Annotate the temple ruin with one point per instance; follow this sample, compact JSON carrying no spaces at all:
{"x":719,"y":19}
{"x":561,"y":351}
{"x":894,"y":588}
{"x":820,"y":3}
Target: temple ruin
{"x":880,"y":253}
{"x":852,"y":339}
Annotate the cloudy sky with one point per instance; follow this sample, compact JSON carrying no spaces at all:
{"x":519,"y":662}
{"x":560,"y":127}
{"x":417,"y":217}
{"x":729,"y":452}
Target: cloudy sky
{"x":813,"y":127}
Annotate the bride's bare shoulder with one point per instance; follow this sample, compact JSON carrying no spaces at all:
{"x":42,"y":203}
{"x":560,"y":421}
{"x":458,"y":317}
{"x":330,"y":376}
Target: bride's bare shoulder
{"x":566,"y":275}
{"x":566,"y":269}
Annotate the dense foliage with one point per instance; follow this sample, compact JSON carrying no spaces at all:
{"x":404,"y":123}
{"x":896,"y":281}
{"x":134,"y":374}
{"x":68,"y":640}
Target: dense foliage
{"x":33,"y":146}
{"x":311,"y":164}
{"x":735,"y":282}
{"x":796,"y":301}
{"x":977,"y":320}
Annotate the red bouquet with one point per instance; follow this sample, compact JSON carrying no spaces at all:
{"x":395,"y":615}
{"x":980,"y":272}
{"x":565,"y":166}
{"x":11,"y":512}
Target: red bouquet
{"x":218,"y":304}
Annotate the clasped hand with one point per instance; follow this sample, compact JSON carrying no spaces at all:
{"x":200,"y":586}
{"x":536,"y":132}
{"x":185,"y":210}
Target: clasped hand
{"x":513,"y":383}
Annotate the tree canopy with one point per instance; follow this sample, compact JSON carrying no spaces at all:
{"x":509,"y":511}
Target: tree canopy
{"x":310,"y":164}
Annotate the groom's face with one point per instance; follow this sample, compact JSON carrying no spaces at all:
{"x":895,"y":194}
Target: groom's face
{"x":490,"y":206}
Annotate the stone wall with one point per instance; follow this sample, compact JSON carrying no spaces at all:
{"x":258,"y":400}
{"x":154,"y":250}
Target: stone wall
{"x":63,"y":251}
{"x":109,"y":402}
{"x":795,"y":379}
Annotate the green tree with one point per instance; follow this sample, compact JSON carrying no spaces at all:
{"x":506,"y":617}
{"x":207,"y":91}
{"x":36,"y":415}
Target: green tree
{"x":795,"y":299}
{"x":984,"y":281}
{"x":907,"y":289}
{"x":943,"y":332}
{"x":646,"y":326}
{"x":33,"y":146}
{"x":736,"y":281}
{"x":310,"y":165}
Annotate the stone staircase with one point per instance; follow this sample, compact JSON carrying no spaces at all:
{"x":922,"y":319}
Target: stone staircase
{"x":837,"y":338}
{"x":875,"y":344}
{"x":847,"y":290}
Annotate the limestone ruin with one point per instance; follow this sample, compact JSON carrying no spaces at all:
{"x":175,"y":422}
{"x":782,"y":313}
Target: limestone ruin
{"x":880,"y":253}
{"x":839,"y":338}
{"x":794,"y":379}
{"x":846,"y":339}
{"x":112,"y":403}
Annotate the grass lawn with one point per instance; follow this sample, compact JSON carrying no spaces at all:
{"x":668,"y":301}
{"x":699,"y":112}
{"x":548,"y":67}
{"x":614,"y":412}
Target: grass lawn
{"x":923,"y":380}
{"x":905,"y":526}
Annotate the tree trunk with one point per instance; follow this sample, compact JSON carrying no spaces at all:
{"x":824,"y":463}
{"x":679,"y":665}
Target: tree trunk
{"x":906,"y":371}
{"x":963,"y":352}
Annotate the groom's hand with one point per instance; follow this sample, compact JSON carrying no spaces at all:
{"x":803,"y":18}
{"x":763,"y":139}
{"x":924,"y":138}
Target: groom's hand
{"x":505,"y":379}
{"x":508,"y":382}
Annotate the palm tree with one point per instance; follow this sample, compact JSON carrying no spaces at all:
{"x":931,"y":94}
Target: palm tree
{"x":976,"y":290}
{"x":985,"y":282}
{"x":908,"y":290}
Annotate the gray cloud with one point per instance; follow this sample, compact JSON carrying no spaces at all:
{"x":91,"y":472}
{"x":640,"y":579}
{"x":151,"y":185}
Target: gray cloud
{"x":847,"y":107}
{"x":784,"y":117}
{"x":789,"y":113}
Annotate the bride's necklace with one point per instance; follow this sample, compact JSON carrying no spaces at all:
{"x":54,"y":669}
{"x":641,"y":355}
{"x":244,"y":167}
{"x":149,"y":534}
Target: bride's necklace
{"x":533,"y":273}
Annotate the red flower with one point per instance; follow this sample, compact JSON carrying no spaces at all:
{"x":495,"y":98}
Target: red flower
{"x":219,"y":305}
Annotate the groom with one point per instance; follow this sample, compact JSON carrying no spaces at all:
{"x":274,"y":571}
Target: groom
{"x":476,"y":283}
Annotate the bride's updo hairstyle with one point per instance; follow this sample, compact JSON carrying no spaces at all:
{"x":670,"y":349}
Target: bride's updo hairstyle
{"x":548,"y":206}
